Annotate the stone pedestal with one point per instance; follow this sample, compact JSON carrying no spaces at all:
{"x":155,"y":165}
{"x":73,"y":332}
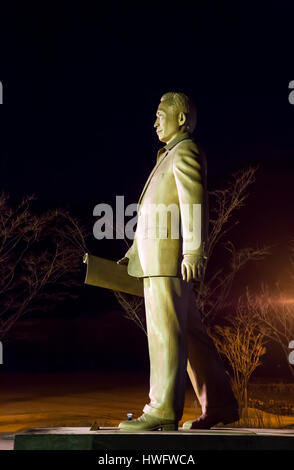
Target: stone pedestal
{"x":80,"y":438}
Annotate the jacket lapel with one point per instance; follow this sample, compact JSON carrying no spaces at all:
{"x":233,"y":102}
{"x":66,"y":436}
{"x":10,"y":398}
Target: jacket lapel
{"x":161,"y":154}
{"x":160,"y":158}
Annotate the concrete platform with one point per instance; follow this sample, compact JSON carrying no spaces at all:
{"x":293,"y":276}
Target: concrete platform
{"x":106,"y":438}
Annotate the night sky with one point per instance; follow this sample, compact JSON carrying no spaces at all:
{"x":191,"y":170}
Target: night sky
{"x":81,"y":84}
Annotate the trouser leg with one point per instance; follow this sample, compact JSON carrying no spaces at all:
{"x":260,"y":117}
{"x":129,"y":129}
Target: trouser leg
{"x":166,"y":304}
{"x":205,"y":367}
{"x":175,"y":332}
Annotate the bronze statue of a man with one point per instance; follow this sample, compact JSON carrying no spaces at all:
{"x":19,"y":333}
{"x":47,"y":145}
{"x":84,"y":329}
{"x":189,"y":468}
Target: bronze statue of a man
{"x":168,"y":266}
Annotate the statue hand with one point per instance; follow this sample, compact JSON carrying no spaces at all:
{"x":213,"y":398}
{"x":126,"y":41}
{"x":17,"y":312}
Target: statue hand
{"x":192,"y":267}
{"x":123,"y":261}
{"x":85,"y":258}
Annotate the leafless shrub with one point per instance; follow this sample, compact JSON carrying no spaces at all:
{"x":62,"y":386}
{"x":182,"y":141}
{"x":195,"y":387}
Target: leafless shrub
{"x":39,"y":256}
{"x":213,"y":289}
{"x":242,"y":344}
{"x":275,"y":312}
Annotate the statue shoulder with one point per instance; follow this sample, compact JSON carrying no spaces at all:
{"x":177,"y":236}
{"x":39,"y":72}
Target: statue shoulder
{"x":188,"y":147}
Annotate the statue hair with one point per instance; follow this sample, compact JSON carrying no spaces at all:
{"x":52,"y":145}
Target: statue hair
{"x":181,"y":103}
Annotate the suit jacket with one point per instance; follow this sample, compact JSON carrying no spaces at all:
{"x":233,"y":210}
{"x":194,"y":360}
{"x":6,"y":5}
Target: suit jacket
{"x":178,"y":180}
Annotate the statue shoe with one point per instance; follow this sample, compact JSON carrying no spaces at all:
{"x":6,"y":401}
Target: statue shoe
{"x":146,"y":422}
{"x":207,"y":421}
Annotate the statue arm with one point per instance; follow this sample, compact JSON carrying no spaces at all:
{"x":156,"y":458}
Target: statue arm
{"x":189,"y":174}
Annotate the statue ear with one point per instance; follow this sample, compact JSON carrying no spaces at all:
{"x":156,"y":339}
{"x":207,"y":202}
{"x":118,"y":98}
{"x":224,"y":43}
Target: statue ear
{"x":182,"y":118}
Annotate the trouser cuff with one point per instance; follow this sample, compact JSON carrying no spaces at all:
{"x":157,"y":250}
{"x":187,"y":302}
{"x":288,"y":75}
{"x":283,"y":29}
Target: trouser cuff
{"x":159,"y":414}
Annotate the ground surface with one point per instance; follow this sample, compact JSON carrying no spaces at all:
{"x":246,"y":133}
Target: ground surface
{"x":79,"y":399}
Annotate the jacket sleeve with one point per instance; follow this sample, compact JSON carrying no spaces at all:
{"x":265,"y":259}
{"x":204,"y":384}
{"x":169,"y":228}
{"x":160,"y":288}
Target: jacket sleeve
{"x":190,"y":177}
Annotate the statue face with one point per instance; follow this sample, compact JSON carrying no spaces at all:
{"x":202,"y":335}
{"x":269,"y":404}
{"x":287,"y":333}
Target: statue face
{"x":167,"y":122}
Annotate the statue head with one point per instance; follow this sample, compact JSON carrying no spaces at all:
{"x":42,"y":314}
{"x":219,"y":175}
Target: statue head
{"x":175,"y":114}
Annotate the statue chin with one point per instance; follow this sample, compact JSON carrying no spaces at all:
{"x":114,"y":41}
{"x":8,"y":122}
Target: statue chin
{"x":159,"y":135}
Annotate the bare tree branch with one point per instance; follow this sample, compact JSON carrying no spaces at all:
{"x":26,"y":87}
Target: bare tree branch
{"x":275,"y":312}
{"x":213,"y":289}
{"x":39,"y":256}
{"x":242,"y":344}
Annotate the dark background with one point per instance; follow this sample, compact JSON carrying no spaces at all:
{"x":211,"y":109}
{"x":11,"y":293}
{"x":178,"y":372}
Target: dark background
{"x":81,"y":86}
